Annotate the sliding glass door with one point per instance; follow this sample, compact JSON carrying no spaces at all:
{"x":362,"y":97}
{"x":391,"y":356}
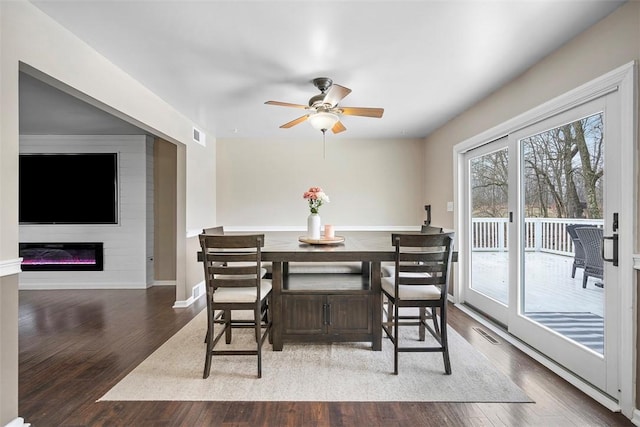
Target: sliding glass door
{"x":564,"y":293}
{"x":524,"y":194}
{"x":487,"y":228}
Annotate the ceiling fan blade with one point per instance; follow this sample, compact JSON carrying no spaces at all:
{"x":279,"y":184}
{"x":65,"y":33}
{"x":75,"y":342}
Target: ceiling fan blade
{"x":361,"y":111}
{"x":285,"y":104}
{"x":294,"y":122}
{"x":335,"y":94}
{"x":338,"y":127}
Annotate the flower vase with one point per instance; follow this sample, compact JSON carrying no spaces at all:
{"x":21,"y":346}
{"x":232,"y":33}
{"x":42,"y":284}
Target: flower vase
{"x":313,"y":226}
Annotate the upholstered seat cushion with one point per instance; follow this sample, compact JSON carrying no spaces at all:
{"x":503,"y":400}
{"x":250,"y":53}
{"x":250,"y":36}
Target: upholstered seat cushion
{"x":388,"y":269}
{"x":411,"y":292}
{"x":248,"y":294}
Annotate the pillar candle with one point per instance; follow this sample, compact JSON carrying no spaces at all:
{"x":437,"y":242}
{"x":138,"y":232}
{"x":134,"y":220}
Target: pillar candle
{"x":329,"y":232}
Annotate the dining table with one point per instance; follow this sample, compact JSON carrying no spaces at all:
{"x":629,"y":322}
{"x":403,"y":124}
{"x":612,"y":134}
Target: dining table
{"x":362,"y":299}
{"x":317,"y":307}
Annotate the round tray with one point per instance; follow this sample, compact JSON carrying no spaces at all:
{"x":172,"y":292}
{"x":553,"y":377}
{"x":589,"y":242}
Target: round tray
{"x":322,"y":240}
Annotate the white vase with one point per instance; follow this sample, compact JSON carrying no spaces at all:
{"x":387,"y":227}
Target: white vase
{"x":313,"y":226}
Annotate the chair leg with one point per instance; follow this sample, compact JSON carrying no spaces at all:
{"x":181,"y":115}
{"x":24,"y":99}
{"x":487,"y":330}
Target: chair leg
{"x":257,"y":315}
{"x":258,"y":328}
{"x":387,"y":315}
{"x":573,"y":271}
{"x":227,"y":324}
{"x":585,"y":277}
{"x":423,"y":320}
{"x":269,"y":318}
{"x":216,"y":317}
{"x":209,"y":341}
{"x":445,"y":344}
{"x":396,"y":334}
{"x":435,"y":320}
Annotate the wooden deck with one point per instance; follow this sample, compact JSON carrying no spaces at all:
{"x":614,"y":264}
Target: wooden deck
{"x":549,"y":286}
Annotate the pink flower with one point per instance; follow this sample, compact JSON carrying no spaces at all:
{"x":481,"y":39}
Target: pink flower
{"x":316,"y":198}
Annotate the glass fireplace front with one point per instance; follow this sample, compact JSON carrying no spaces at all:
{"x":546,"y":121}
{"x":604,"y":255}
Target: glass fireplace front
{"x":62,"y":256}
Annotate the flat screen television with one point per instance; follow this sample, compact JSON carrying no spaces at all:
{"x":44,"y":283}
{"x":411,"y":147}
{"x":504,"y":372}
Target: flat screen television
{"x":68,"y":188}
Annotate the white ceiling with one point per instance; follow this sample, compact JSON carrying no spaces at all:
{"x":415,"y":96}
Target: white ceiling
{"x":217,"y":62}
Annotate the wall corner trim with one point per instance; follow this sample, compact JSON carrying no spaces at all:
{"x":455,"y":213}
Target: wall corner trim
{"x":10,"y":267}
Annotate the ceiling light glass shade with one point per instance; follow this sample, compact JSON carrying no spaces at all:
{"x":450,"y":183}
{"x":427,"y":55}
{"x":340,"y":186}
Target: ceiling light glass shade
{"x":323,"y":120}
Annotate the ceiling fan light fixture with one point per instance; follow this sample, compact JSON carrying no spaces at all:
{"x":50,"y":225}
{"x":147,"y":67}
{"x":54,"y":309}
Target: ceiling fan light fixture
{"x":323,"y":120}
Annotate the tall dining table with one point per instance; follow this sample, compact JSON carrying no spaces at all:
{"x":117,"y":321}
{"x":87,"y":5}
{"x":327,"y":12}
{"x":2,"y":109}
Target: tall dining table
{"x":326,"y":307}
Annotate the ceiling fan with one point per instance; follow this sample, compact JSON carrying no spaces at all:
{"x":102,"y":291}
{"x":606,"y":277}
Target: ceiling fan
{"x":323,"y":110}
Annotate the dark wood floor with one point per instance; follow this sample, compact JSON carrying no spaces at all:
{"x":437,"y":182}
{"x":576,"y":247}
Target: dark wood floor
{"x":76,"y":345}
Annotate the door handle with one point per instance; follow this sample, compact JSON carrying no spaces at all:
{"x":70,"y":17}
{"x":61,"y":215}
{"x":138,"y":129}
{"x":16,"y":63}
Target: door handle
{"x":324,"y":314}
{"x":613,"y":238}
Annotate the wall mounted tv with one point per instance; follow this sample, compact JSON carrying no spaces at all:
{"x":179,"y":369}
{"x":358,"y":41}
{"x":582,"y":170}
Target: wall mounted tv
{"x":68,"y":188}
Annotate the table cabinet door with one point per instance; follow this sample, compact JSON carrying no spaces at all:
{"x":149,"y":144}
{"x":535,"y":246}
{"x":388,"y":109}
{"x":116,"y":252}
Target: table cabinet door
{"x":335,"y":315}
{"x":349,"y":314}
{"x":304,"y":314}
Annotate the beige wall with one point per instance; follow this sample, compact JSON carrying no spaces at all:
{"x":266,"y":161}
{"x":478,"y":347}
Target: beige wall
{"x":611,"y":43}
{"x":200,"y":175}
{"x":165,"y":202}
{"x":8,"y":348}
{"x":369,"y":182}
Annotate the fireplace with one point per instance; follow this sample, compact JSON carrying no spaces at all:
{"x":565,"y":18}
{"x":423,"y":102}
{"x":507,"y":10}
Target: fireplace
{"x":62,"y":256}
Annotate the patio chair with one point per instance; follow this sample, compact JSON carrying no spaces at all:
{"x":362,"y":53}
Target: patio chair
{"x":578,"y":250}
{"x":591,"y":239}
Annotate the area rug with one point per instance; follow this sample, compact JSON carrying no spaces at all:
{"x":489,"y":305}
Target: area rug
{"x":310,"y":372}
{"x":584,"y":328}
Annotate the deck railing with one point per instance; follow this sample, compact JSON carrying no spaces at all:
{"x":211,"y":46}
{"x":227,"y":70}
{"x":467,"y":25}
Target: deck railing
{"x":541,"y":234}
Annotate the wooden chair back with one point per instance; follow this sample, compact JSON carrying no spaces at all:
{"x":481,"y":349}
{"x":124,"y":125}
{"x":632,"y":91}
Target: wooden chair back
{"x":430,"y":229}
{"x":423,"y":259}
{"x":232,"y":260}
{"x":213,"y":230}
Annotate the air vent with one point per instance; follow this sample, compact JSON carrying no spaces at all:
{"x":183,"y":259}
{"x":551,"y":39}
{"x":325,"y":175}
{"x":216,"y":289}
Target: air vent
{"x":486,"y":336}
{"x":199,"y":137}
{"x":197,"y":290}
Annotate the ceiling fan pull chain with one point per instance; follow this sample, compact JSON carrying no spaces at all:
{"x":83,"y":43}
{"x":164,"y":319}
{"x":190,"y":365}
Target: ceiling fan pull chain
{"x":324,"y":144}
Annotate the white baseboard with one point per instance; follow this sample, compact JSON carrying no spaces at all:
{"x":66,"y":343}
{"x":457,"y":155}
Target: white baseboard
{"x":636,"y":417}
{"x":197,"y":291}
{"x":184,"y":303}
{"x":17,"y":422}
{"x":163,"y":283}
{"x":566,"y":375}
{"x":10,"y":266}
